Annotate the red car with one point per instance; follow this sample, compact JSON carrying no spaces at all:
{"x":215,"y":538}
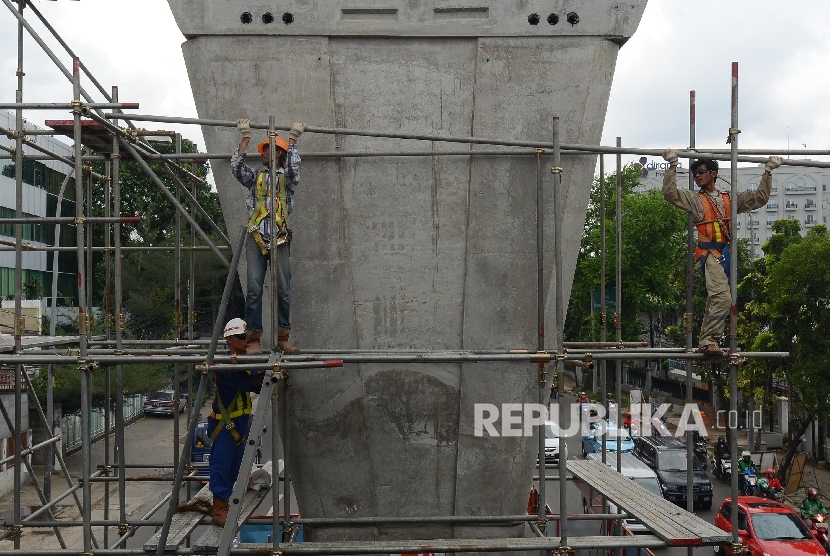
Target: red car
{"x":767,"y":528}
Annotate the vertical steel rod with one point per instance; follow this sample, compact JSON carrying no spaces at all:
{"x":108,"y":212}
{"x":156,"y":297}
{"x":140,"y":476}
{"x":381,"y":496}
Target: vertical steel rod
{"x":558,"y":215}
{"x":82,"y":302}
{"x":544,"y":389}
{"x":690,"y":264}
{"x":18,"y":275}
{"x":618,"y":316}
{"x":733,"y":278}
{"x":603,"y":377}
{"x":272,"y":219}
{"x":177,"y":315}
{"x":275,"y":471}
{"x":119,"y":336}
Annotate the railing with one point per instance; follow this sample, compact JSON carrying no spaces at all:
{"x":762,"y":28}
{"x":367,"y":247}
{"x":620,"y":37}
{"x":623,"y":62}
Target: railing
{"x":71,"y":424}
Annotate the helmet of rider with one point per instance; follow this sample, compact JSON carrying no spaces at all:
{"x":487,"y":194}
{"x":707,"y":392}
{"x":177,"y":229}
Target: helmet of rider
{"x":770,"y":472}
{"x":582,"y":393}
{"x":745,"y":454}
{"x":763,"y":484}
{"x":721,"y":440}
{"x":812,"y":493}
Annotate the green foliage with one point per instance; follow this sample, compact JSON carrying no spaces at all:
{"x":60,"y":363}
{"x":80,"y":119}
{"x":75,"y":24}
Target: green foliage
{"x":653,"y":256}
{"x":138,"y":379}
{"x":32,"y":288}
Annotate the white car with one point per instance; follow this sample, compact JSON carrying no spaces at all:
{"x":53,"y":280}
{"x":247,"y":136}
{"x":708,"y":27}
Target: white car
{"x":551,"y":443}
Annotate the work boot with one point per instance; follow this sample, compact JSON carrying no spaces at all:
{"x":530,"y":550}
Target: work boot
{"x":253,"y":347}
{"x":220,"y":511}
{"x":711,"y":350}
{"x":282,"y":340}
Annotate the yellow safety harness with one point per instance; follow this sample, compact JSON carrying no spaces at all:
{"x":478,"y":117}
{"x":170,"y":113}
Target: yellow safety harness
{"x":261,"y":211}
{"x":241,"y":405}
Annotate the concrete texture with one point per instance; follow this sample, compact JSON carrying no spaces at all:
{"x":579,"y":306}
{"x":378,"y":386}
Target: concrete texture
{"x":428,"y":253}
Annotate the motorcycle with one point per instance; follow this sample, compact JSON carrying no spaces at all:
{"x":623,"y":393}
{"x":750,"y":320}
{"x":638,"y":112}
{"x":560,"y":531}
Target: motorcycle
{"x":723,"y":469}
{"x":765,"y":491}
{"x":818,"y":526}
{"x":748,"y":482}
{"x":700,"y":452}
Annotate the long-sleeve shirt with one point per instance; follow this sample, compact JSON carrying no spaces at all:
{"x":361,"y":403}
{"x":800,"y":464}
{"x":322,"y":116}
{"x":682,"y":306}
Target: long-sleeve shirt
{"x":812,"y":507}
{"x":690,"y":202}
{"x":247,"y":176}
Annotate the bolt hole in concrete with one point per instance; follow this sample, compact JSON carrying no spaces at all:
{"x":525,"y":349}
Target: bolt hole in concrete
{"x":246,"y":18}
{"x":533,"y":19}
{"x":267,"y":18}
{"x":553,"y":19}
{"x":572,"y":18}
{"x":288,"y":18}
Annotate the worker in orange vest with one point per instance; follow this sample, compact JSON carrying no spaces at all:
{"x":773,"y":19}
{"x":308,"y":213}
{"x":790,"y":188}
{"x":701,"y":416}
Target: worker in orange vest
{"x":710,"y":209}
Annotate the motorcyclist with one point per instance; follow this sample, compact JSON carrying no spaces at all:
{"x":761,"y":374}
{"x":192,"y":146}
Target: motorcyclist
{"x":812,"y":505}
{"x":746,"y":462}
{"x":721,"y":450}
{"x":773,"y":481}
{"x":582,"y":398}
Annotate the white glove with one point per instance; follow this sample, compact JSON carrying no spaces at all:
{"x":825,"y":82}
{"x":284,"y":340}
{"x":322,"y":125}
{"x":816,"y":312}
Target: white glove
{"x":259,"y":479}
{"x":773,"y":163}
{"x":297,"y":129}
{"x":670,"y":156}
{"x":244,"y":127}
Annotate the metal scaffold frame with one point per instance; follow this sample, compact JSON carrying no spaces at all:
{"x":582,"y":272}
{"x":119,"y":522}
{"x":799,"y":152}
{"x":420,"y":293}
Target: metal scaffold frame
{"x":200,"y":357}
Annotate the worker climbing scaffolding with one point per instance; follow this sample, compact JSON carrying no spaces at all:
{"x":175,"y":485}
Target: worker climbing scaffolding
{"x":710,"y":209}
{"x":257,"y":246}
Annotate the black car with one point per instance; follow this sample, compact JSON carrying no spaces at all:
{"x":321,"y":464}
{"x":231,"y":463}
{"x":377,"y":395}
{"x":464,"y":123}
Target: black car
{"x":667,"y":456}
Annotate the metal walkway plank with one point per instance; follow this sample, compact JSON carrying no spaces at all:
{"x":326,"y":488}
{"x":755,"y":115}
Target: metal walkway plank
{"x":209,"y":541}
{"x":184,"y":523}
{"x":668,"y":521}
{"x":455,"y":545}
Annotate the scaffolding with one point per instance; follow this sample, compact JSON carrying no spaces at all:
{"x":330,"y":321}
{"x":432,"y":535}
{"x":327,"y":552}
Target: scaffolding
{"x":200,"y":357}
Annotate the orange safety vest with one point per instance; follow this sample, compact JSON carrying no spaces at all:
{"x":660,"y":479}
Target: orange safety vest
{"x":714,"y":228}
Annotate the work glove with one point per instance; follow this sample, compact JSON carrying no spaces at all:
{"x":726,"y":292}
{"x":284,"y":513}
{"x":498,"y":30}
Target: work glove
{"x":773,"y":163}
{"x":244,"y":127}
{"x":297,"y":129}
{"x":670,"y":156}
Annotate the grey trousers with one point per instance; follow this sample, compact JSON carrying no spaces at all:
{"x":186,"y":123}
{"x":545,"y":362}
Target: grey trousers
{"x":718,"y":303}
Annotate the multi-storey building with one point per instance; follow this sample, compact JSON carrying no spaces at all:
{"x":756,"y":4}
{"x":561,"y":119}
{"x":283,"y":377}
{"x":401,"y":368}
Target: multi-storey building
{"x":42,"y":182}
{"x":798,"y":193}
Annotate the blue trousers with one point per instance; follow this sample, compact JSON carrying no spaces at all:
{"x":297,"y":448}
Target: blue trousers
{"x":257,"y":265}
{"x":226,"y":458}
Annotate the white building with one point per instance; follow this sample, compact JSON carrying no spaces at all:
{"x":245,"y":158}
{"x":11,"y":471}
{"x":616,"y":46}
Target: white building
{"x":42,"y":181}
{"x":797,"y":193}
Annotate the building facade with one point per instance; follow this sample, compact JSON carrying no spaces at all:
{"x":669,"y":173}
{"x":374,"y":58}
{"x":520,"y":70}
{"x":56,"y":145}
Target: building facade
{"x":798,"y":193}
{"x":43,"y":181}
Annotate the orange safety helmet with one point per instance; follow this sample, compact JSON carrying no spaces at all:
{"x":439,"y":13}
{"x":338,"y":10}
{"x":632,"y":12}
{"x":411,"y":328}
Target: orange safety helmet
{"x":278,"y":141}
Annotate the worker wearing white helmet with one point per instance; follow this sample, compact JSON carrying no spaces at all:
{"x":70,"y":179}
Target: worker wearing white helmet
{"x":261,"y":238}
{"x":229,"y":420}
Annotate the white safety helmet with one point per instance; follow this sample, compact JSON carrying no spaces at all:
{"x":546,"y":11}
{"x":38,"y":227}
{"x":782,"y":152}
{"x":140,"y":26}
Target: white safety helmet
{"x":234,"y":327}
{"x":745,"y":453}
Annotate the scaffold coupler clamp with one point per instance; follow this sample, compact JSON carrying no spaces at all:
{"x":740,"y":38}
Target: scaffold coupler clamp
{"x":555,"y":169}
{"x":733,"y":131}
{"x":15,"y":530}
{"x":738,"y":549}
{"x":123,"y":529}
{"x":542,"y":523}
{"x":737,"y":359}
{"x":565,"y":551}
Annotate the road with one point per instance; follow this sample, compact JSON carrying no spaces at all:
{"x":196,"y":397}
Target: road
{"x":720,"y":490}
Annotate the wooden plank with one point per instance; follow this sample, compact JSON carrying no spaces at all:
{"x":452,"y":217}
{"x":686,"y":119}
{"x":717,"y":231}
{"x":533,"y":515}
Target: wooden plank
{"x":457,"y":545}
{"x":184,"y":523}
{"x":668,"y":521}
{"x":209,"y":541}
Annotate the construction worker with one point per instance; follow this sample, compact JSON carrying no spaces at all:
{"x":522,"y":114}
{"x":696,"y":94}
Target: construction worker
{"x":259,"y":241}
{"x":710,"y":209}
{"x":228,"y":422}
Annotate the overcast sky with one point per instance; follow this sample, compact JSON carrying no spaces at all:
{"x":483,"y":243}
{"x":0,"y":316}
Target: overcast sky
{"x":681,"y":45}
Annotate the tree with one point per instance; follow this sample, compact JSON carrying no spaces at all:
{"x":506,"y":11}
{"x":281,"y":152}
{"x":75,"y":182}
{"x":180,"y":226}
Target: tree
{"x":653,"y":256}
